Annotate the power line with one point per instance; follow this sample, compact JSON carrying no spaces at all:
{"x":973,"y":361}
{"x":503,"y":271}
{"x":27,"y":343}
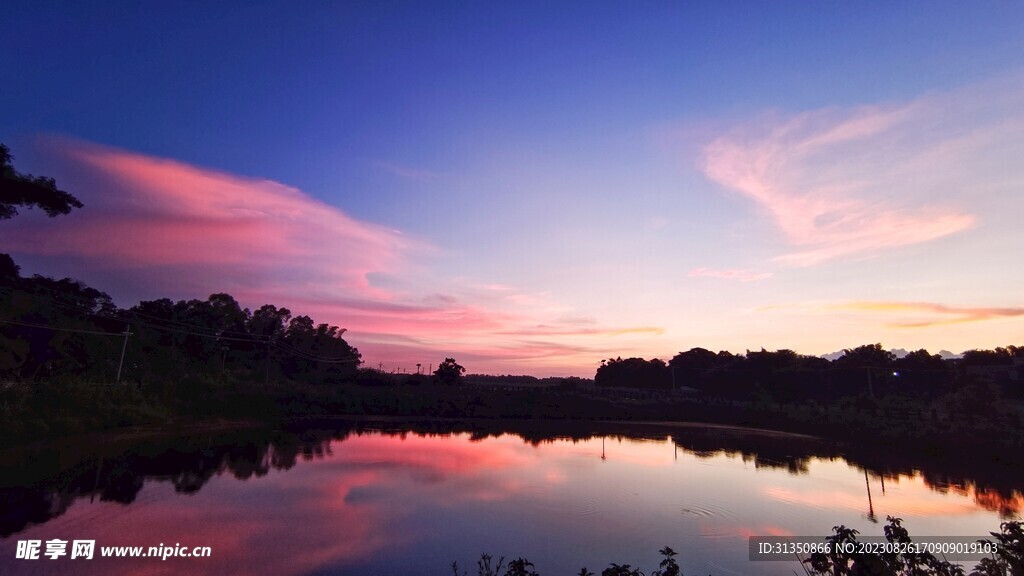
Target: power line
{"x":60,"y":302}
{"x":283,"y":347}
{"x":199,"y":334}
{"x":324,"y":359}
{"x":213,"y":332}
{"x":218,"y":332}
{"x":217,"y":335}
{"x":181,"y":323}
{"x":48,"y":327}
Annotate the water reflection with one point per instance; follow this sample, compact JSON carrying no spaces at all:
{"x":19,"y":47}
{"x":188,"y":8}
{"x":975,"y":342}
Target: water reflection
{"x":388,"y":497}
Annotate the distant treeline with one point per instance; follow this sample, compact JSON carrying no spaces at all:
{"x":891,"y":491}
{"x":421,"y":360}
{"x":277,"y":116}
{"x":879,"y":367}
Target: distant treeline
{"x":788,"y":376}
{"x":524,"y":380}
{"x":62,"y":329}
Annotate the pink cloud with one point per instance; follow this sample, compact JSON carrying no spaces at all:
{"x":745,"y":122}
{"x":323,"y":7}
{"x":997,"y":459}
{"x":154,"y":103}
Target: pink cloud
{"x":154,"y":217}
{"x":734,"y":274}
{"x":154,"y":227}
{"x":453,"y":319}
{"x":857,"y":182}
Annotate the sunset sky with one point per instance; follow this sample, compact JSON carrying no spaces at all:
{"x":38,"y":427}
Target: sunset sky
{"x":532,"y":187}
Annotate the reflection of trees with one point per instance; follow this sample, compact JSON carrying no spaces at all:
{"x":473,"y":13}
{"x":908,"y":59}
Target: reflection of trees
{"x":790,"y":453}
{"x":1007,"y":502}
{"x":120,"y":478}
{"x":36,"y":493}
{"x":993,"y":500}
{"x":994,"y":486}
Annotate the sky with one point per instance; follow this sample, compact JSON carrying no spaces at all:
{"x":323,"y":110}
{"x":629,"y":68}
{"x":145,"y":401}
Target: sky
{"x":533,"y":187}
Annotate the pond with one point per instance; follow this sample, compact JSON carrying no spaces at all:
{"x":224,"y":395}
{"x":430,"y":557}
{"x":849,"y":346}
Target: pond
{"x":385,"y":497}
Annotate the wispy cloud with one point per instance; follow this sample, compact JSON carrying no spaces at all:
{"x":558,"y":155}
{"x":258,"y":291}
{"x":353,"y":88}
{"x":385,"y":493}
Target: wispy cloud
{"x":896,"y":314}
{"x":546,"y":330}
{"x":733,"y":274}
{"x":856,"y":182}
{"x":925,"y":314}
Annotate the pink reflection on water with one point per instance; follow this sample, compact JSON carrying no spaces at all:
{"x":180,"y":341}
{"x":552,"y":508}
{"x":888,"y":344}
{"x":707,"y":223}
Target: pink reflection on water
{"x":292,"y":523}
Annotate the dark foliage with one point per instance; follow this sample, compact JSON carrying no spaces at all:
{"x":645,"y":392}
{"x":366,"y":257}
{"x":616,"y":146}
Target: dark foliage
{"x":633,"y":373}
{"x":30,"y":191}
{"x":449,"y":372}
{"x":1009,"y":560}
{"x":65,"y":330}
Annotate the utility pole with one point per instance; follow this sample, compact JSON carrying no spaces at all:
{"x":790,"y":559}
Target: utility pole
{"x":127,"y":333}
{"x":223,"y":354}
{"x":266,"y":365}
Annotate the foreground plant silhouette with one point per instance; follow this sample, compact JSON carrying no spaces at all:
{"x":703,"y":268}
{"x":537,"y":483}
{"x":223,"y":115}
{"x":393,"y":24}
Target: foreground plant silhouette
{"x":1007,"y":561}
{"x":523,"y":567}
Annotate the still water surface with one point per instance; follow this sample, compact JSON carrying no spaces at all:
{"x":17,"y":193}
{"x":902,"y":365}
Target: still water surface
{"x":381,"y":499}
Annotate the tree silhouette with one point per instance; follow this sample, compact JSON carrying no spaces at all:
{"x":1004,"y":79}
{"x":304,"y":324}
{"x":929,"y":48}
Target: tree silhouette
{"x":27,"y":190}
{"x":633,"y":373}
{"x":868,"y":355}
{"x":921,"y":360}
{"x":449,"y":372}
{"x":694,"y":360}
{"x":9,"y":271}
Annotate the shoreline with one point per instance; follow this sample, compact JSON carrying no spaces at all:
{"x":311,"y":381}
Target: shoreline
{"x":120,"y":437}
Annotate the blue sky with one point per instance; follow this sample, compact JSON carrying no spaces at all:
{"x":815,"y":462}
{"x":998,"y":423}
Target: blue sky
{"x":583,"y":165}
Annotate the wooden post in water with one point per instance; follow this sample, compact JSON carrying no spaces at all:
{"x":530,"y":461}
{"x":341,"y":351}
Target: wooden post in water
{"x":96,"y":481}
{"x":871,"y":506}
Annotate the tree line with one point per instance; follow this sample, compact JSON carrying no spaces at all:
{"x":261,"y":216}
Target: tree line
{"x":787,"y":375}
{"x":63,"y":329}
